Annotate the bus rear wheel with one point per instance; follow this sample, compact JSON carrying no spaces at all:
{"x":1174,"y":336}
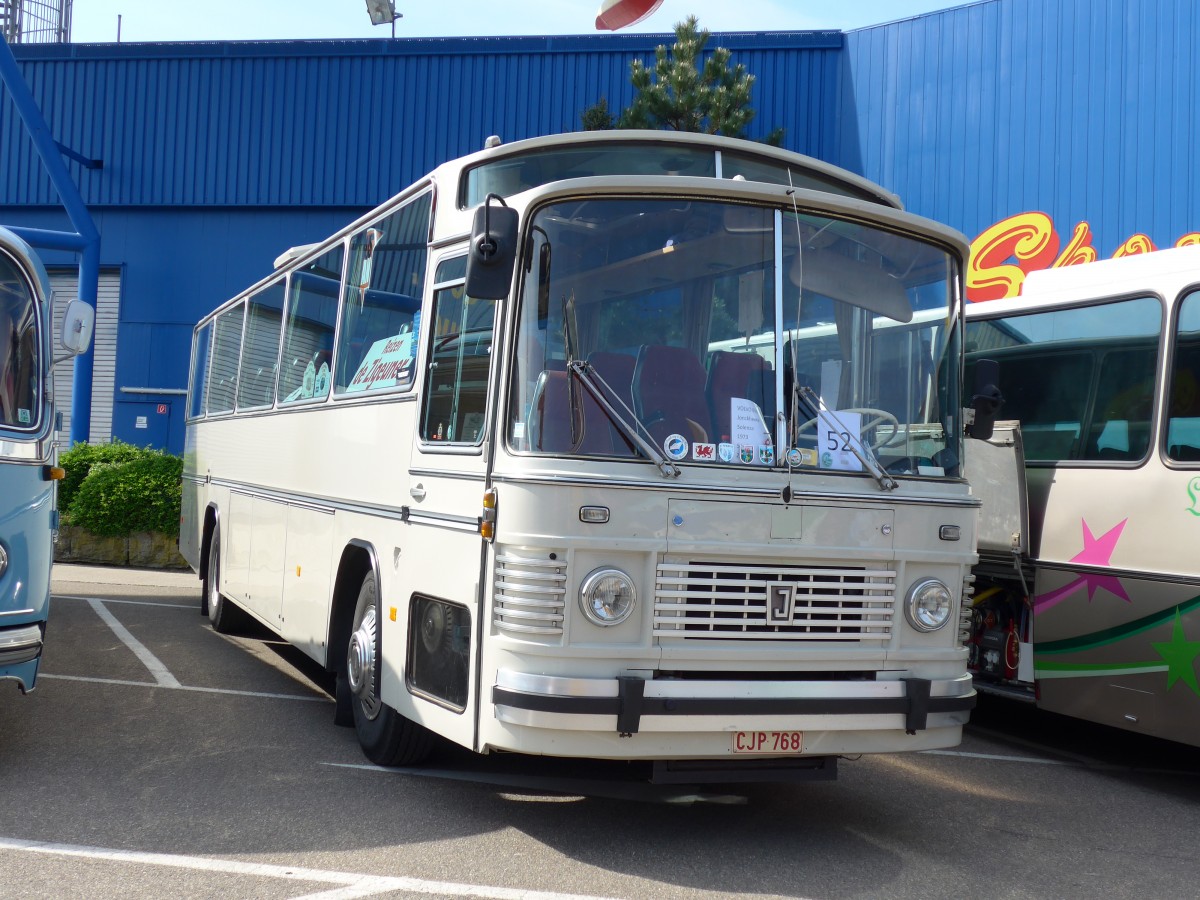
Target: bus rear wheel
{"x":386,"y":737}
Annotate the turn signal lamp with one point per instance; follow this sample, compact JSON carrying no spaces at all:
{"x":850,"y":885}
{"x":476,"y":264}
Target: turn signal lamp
{"x":53,"y":473}
{"x":487,"y":522}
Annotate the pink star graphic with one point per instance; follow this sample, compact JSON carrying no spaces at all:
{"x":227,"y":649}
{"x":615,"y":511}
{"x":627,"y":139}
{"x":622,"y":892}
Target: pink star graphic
{"x":1097,"y":551}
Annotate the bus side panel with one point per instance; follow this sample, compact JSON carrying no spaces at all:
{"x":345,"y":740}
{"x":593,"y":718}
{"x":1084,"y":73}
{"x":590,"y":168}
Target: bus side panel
{"x":237,"y":534}
{"x":307,"y":580}
{"x":264,"y":581}
{"x":1116,"y":598}
{"x":1131,"y":668}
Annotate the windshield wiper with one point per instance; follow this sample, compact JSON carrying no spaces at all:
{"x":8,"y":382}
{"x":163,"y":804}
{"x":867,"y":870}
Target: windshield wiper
{"x":885,"y":481}
{"x":588,"y":377}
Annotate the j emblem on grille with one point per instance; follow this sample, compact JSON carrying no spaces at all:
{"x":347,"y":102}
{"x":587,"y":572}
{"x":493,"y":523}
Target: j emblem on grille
{"x":781,"y":600}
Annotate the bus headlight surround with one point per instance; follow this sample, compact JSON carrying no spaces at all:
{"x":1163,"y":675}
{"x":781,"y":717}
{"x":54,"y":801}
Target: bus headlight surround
{"x":3,"y":559}
{"x":928,"y":605}
{"x":607,"y":596}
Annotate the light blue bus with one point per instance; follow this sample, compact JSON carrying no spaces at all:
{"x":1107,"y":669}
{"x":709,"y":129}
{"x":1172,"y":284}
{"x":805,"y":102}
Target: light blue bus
{"x":28,"y":516}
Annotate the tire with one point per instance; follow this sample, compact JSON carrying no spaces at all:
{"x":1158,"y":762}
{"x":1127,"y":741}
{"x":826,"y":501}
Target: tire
{"x":224,"y":616}
{"x":386,"y":737}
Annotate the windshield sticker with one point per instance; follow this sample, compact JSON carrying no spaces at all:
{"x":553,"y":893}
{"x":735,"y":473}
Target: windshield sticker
{"x":676,"y":446}
{"x":704,"y":452}
{"x":746,"y":453}
{"x":727,"y":452}
{"x":807,"y":456}
{"x":23,"y":416}
{"x":321,"y":387}
{"x":766,"y":454}
{"x":839,"y":436}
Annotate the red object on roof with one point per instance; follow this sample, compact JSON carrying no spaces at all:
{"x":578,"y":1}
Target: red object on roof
{"x":616,"y":14}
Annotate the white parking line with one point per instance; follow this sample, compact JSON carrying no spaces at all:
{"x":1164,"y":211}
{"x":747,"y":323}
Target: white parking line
{"x":1000,"y":757}
{"x":314,"y":698}
{"x":161,"y":675}
{"x":191,"y":606}
{"x":350,"y":884}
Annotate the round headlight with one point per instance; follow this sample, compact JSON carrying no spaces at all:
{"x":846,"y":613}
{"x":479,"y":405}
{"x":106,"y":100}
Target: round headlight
{"x":3,"y":559}
{"x":607,"y":596}
{"x":928,"y":605}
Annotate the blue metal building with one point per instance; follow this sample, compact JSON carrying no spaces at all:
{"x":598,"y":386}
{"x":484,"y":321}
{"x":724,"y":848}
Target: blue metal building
{"x":216,"y":157}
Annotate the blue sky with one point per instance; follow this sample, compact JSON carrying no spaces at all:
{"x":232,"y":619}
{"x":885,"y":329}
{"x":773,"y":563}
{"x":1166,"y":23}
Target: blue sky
{"x":215,"y":20}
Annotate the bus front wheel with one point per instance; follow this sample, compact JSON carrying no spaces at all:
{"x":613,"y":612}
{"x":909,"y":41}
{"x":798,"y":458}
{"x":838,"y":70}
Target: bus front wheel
{"x":386,"y":737}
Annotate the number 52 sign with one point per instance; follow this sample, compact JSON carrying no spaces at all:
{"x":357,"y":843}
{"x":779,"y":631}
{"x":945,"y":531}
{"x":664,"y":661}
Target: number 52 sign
{"x":837,"y":432}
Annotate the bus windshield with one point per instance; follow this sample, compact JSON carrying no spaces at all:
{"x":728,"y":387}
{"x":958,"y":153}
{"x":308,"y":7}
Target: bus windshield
{"x":735,"y":335}
{"x":20,"y":364}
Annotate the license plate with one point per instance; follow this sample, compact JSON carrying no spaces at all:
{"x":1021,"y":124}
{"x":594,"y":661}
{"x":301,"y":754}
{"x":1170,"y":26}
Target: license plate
{"x":768,"y":742}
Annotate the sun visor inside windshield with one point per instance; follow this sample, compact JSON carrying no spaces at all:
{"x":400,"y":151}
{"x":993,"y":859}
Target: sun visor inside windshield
{"x":839,"y":278}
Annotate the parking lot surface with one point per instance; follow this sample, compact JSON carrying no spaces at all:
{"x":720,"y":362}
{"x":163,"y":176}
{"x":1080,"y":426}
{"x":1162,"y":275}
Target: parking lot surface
{"x":159,"y":759}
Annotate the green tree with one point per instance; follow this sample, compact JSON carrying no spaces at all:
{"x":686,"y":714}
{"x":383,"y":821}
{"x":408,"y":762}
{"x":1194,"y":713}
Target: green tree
{"x":682,"y":94}
{"x":598,"y":117}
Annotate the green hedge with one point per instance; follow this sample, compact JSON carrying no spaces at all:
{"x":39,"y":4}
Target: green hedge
{"x":123,"y":489}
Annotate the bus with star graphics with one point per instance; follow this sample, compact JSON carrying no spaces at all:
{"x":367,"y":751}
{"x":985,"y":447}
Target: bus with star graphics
{"x":511,"y":458}
{"x":1089,"y":584}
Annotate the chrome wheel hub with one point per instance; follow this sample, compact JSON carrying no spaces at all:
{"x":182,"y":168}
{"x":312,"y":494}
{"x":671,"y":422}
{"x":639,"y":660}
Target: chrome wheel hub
{"x":360,"y":663}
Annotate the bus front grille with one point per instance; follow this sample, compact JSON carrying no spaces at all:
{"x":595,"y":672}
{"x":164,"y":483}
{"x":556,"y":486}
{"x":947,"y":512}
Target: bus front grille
{"x":531,"y":593}
{"x":729,"y":601}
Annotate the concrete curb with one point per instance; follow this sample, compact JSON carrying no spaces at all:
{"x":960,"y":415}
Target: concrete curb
{"x":65,"y":573}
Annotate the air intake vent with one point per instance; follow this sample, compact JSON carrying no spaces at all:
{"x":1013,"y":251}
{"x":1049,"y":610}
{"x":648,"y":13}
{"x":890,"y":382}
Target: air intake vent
{"x":531,"y":593}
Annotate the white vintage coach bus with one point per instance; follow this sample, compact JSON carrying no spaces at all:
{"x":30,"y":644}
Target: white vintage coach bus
{"x":511,"y":456}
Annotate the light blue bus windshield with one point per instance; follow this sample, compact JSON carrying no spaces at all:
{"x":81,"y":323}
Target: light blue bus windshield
{"x":20,"y":350}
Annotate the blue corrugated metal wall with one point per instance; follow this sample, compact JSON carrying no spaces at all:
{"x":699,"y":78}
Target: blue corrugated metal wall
{"x":1086,"y":110}
{"x":1083,"y":109}
{"x":349,"y":123}
{"x":219,"y":156}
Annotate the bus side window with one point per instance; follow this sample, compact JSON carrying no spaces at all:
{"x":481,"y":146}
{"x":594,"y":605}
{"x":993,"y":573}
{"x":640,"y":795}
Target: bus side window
{"x":227,"y":346}
{"x":381,"y":319}
{"x":304,"y":372}
{"x":260,"y":350}
{"x":459,"y":362}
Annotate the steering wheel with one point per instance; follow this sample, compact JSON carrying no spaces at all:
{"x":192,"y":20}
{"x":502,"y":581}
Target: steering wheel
{"x":873,"y":419}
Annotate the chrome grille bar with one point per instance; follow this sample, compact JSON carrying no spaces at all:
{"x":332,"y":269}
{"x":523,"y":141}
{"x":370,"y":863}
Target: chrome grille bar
{"x":726,"y":601}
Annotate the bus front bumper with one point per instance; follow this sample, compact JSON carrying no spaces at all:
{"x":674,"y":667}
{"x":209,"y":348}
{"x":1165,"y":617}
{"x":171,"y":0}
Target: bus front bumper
{"x":20,"y":650}
{"x":631,"y":705}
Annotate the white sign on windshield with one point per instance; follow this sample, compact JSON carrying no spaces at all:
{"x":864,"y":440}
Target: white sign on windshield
{"x":750,"y":433}
{"x":837,"y":432}
{"x":387,"y":364}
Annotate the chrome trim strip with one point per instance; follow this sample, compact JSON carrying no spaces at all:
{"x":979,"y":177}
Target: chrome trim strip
{"x":17,"y":612}
{"x":560,"y":686}
{"x":443,"y":473}
{"x":725,"y":490}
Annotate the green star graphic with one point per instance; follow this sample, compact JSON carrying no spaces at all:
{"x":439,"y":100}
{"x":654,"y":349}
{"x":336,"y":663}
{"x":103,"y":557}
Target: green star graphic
{"x":1179,"y":654}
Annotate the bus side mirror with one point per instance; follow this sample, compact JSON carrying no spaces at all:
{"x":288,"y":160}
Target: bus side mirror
{"x":987,"y":399}
{"x":78,"y":322}
{"x":493,"y":251}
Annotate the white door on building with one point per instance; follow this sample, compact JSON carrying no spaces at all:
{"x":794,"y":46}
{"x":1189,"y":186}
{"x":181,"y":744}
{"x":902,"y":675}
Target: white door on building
{"x":64,"y":286}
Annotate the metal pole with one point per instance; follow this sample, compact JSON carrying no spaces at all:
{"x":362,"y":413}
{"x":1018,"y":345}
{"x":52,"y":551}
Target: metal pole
{"x":86,"y":241}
